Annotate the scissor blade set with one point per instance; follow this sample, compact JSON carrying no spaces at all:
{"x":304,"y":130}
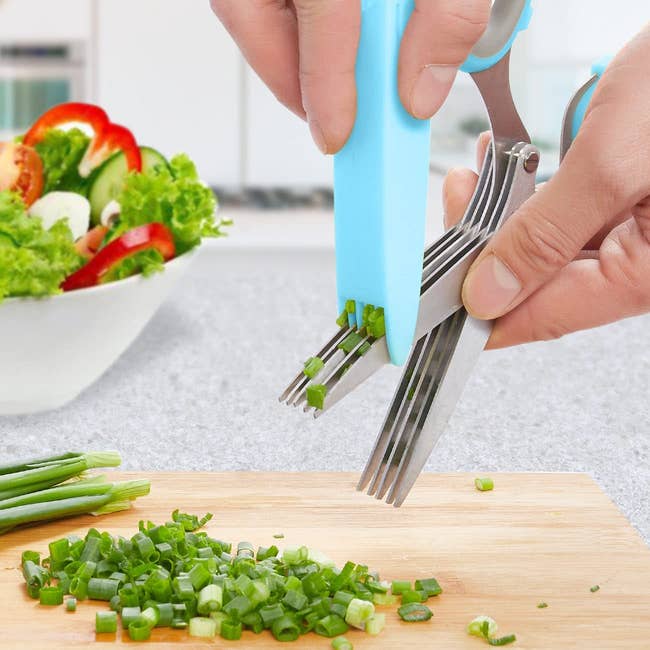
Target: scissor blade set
{"x":448,"y":341}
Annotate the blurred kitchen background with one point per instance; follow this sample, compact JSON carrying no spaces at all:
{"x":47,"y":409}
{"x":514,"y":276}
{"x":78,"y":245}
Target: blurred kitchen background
{"x":170,"y":71}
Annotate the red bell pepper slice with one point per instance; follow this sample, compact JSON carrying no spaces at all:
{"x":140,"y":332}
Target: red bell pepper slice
{"x":150,"y":236}
{"x":108,"y":138}
{"x":93,"y":116}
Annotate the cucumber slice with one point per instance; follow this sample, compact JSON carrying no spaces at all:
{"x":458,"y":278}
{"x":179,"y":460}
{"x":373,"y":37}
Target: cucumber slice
{"x":106,"y":182}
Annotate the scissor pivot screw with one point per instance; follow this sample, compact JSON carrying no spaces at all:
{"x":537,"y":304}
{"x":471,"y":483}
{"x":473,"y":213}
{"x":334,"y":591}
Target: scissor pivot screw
{"x":531,"y":162}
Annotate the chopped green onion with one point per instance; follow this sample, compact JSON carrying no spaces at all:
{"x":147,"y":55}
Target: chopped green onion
{"x":331,"y":626}
{"x":71,"y":604}
{"x":414,"y":612}
{"x":105,"y":622}
{"x":412,"y":596}
{"x":150,"y":616}
{"x":484,"y":484}
{"x":485,"y":628}
{"x":51,"y":596}
{"x":429,"y":585}
{"x":398,"y":587}
{"x":203,"y":627}
{"x":218,"y":618}
{"x":594,"y":589}
{"x":358,"y":613}
{"x":230,"y":630}
{"x":128,"y":615}
{"x":341,"y":643}
{"x":350,"y":306}
{"x":139,"y":630}
{"x":285,"y":629}
{"x":542,"y":605}
{"x":278,"y":536}
{"x":316,"y":395}
{"x":30,"y":556}
{"x":59,"y":550}
{"x":376,"y":624}
{"x":476,"y":626}
{"x":102,"y":588}
{"x":210,"y":599}
{"x":411,"y":393}
{"x":384,"y":599}
{"x":313,"y":366}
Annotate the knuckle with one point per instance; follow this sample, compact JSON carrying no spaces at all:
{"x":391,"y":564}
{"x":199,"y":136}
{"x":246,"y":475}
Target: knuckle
{"x":538,"y":329}
{"x":538,"y":245}
{"x":465,"y":20}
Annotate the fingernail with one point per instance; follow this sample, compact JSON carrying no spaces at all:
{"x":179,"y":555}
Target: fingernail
{"x":490,"y":288}
{"x":430,"y":89}
{"x":317,"y":135}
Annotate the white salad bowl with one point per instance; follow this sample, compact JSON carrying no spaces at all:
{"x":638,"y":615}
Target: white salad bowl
{"x":53,"y":348}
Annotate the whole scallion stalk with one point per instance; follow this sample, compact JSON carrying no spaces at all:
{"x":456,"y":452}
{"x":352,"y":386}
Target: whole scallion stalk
{"x":118,"y":497}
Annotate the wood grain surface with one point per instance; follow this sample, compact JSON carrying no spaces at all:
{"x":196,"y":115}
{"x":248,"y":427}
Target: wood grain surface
{"x":536,"y":537}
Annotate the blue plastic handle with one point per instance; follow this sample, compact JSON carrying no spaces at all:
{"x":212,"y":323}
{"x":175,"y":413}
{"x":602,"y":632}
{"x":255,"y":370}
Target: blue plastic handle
{"x":597,"y":69}
{"x":380,"y":185}
{"x":496,"y":42}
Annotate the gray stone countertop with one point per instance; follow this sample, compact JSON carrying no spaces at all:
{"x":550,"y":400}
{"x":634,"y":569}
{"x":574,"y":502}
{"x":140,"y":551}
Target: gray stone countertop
{"x":198,"y":389}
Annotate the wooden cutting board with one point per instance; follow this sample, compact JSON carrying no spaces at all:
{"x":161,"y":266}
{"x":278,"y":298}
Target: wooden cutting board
{"x":536,"y":537}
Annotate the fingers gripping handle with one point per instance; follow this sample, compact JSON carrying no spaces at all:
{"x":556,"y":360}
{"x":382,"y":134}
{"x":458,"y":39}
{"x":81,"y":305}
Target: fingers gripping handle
{"x":508,"y":18}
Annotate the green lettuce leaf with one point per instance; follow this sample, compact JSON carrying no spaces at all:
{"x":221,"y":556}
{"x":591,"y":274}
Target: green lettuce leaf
{"x":146,"y":262}
{"x":61,"y":153}
{"x":33,"y":261}
{"x":172,"y":196}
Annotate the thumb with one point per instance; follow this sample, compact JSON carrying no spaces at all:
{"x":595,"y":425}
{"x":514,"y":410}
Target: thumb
{"x":604,"y":174}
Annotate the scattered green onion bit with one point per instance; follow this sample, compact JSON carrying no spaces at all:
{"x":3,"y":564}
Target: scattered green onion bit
{"x":485,"y":627}
{"x":414,"y":612}
{"x":106,"y":622}
{"x":429,"y":585}
{"x":594,"y":589}
{"x":542,"y":605}
{"x":278,"y":536}
{"x":398,"y":587}
{"x":71,"y":604}
{"x":484,"y":484}
{"x":313,"y":366}
{"x":316,"y":395}
{"x":375,"y":624}
{"x":341,"y":643}
{"x":359,"y":612}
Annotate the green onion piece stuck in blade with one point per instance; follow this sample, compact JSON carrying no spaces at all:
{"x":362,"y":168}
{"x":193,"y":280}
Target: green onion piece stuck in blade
{"x":484,"y":484}
{"x":313,"y":366}
{"x":342,"y":320}
{"x":350,"y":342}
{"x":316,"y":395}
{"x":350,"y":306}
{"x":376,"y":323}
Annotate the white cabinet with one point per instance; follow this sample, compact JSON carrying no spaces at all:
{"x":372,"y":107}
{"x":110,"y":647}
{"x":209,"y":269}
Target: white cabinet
{"x":35,"y":20}
{"x":169,"y":70}
{"x":279,"y":151}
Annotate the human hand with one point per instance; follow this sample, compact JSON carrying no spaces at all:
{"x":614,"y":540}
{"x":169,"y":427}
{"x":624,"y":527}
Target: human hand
{"x":576,"y":255}
{"x":305,"y":52}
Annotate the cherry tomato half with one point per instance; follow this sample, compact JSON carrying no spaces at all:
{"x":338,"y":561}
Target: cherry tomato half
{"x":21,"y":171}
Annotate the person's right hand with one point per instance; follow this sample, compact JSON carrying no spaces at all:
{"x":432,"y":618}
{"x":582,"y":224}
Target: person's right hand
{"x":576,"y":255}
{"x":305,"y":51}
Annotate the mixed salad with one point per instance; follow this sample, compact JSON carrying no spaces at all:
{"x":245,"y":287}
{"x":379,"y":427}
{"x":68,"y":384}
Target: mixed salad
{"x":81,"y":203}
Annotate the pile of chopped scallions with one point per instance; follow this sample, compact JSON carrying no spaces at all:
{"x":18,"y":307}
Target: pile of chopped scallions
{"x":359,"y":340}
{"x":174,"y":575}
{"x":57,"y":487}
